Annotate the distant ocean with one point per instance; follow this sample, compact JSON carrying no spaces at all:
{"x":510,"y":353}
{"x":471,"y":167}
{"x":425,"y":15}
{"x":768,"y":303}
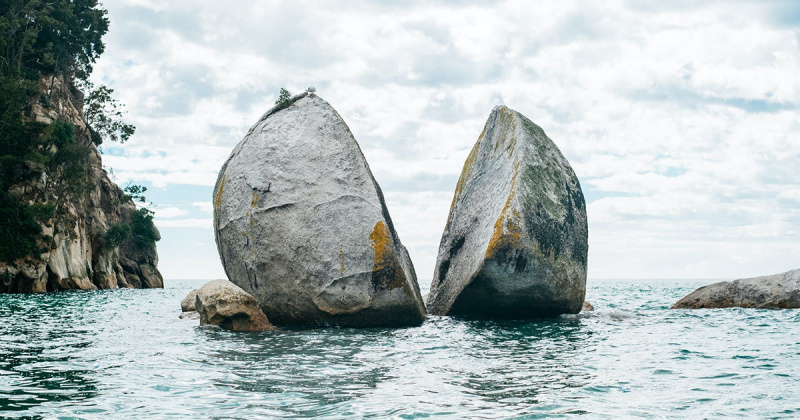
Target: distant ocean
{"x":125,"y":354}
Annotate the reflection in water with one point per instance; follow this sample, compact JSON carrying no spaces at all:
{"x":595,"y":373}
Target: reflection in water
{"x":515,"y":363}
{"x":126,"y":354}
{"x":483,"y":365}
{"x":318,"y":368}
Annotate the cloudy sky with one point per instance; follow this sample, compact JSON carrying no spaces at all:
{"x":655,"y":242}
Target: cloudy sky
{"x":681,"y":121}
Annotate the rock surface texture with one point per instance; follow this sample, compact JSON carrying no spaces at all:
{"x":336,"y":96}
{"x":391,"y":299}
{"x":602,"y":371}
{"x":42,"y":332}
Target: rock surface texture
{"x":73,"y":255}
{"x":778,"y":291}
{"x":222,"y":303}
{"x":516,"y":242}
{"x":189,"y":315}
{"x":302,"y":225}
{"x":187,"y":304}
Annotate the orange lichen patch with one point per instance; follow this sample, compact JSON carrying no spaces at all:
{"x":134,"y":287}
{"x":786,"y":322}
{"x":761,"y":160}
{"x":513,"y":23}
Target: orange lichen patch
{"x":218,"y":198}
{"x":254,"y":201}
{"x":386,"y":268}
{"x":469,"y":165}
{"x":341,"y":260}
{"x":506,"y":235}
{"x":381,"y":242}
{"x":506,"y":229}
{"x":514,"y":232}
{"x":249,"y":233}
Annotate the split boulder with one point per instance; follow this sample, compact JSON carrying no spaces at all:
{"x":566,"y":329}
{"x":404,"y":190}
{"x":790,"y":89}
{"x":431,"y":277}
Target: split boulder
{"x":302,"y":225}
{"x":516,"y":241}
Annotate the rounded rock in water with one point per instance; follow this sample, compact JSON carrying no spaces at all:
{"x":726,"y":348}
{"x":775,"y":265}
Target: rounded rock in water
{"x":516,"y":240}
{"x":222,"y":303}
{"x":777,"y":291}
{"x":302,"y":225}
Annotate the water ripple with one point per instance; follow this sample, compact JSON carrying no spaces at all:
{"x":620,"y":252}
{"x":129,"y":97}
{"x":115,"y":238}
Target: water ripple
{"x":125,"y":353}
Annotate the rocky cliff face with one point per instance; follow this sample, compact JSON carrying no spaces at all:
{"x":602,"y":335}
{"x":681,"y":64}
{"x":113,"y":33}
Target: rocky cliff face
{"x":74,"y":255}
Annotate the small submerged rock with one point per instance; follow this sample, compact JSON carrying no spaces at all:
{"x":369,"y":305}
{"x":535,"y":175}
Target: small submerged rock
{"x":189,"y":315}
{"x":302,"y":225}
{"x":587,"y":307}
{"x":777,"y":291}
{"x":226,"y":305}
{"x":516,"y":241}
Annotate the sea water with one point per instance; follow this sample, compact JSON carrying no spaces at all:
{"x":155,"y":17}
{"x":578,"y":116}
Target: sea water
{"x":125,"y":353}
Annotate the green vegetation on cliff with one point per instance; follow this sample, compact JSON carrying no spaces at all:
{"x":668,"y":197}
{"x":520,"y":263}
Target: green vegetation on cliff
{"x":42,"y":42}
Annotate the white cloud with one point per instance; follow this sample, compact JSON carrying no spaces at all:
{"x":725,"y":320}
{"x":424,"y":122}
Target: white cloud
{"x":204,"y":206}
{"x":186,"y":223}
{"x":680,"y":119}
{"x":169,"y":212}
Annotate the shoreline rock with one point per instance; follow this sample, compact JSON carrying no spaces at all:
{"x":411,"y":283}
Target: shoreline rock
{"x":222,"y":303}
{"x":73,"y":256}
{"x":189,"y":315}
{"x":302,"y":225}
{"x":516,"y":240}
{"x":188,"y":303}
{"x":777,"y":291}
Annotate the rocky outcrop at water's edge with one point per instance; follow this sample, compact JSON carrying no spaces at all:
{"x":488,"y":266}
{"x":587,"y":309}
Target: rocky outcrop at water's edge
{"x":187,"y":304}
{"x":777,"y":291}
{"x":226,"y":305}
{"x":74,"y":255}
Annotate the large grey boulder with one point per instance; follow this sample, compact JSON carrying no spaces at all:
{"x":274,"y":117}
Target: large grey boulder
{"x":302,"y":225}
{"x":778,"y":291}
{"x":222,"y":303}
{"x":516,"y":242}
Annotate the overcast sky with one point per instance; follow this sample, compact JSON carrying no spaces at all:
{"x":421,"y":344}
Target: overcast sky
{"x":681,"y":121}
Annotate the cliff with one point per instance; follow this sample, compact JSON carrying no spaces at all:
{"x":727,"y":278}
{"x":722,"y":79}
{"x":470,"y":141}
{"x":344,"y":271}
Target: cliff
{"x":74,"y":249}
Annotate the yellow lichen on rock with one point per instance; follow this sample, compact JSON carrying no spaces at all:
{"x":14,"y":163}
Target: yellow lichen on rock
{"x":386,"y":267}
{"x":249,"y":232}
{"x":380,"y":243}
{"x":507,"y":232}
{"x":341,"y":260}
{"x":466,"y":172}
{"x":254,"y":201}
{"x":218,"y":198}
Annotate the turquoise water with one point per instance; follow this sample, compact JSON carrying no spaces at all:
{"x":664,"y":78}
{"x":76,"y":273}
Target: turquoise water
{"x":125,"y":353}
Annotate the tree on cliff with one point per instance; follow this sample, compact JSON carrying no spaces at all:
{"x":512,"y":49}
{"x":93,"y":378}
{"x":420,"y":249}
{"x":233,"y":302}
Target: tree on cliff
{"x":52,"y":37}
{"x":41,"y":41}
{"x":103,"y":115}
